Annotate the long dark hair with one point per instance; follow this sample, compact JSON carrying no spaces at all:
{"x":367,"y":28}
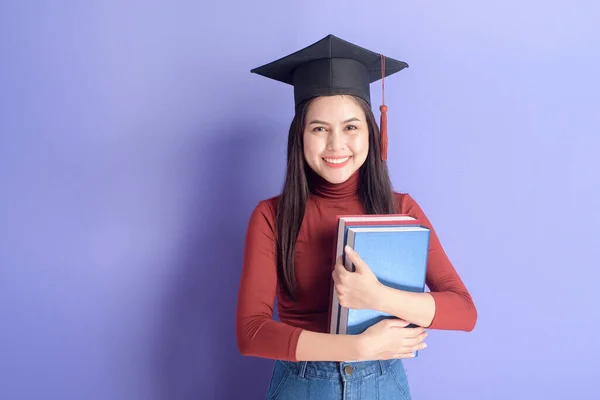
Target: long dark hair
{"x":375,"y":189}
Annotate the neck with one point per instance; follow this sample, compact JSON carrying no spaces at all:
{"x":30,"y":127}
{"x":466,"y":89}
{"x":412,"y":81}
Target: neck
{"x":322,"y":188}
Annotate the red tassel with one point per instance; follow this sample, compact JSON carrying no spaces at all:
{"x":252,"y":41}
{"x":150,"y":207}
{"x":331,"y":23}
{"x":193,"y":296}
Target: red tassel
{"x":383,"y":131}
{"x":383,"y":108}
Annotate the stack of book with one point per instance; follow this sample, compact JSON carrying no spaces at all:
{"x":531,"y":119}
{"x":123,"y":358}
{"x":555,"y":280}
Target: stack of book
{"x":394,"y":247}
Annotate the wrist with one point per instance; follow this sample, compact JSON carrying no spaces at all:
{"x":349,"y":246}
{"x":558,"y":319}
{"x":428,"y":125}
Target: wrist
{"x":380,"y":298}
{"x":360,"y":347}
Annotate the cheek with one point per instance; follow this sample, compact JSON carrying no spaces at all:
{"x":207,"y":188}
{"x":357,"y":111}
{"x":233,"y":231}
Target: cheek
{"x":313,"y":147}
{"x":360,"y":144}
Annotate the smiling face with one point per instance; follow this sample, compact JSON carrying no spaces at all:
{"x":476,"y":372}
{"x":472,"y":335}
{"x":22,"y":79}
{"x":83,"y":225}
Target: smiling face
{"x":336,"y":137}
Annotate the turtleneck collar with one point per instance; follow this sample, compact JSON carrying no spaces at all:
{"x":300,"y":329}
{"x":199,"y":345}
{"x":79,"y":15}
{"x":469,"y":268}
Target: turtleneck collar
{"x":333,"y":191}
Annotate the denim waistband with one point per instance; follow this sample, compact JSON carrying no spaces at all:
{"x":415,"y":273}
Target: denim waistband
{"x":337,"y":370}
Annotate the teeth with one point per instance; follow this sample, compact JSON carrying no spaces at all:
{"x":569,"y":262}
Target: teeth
{"x":336,"y":160}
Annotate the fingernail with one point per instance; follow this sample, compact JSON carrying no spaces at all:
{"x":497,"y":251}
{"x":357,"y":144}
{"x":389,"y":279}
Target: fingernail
{"x":348,"y":248}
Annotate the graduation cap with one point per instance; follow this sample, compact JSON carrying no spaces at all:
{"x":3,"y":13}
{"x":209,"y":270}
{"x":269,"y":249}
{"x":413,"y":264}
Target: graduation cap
{"x":333,"y":66}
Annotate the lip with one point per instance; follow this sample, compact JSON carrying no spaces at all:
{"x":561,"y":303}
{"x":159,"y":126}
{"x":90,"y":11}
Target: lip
{"x":340,"y":165}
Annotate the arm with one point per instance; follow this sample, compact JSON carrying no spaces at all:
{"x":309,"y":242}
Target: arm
{"x":257,"y":333}
{"x":419,"y":308}
{"x":315,"y":346}
{"x":448,"y":305}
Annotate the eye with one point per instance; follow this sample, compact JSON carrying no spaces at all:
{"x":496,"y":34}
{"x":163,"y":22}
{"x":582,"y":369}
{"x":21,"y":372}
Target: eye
{"x":351,"y":127}
{"x":318,"y":129}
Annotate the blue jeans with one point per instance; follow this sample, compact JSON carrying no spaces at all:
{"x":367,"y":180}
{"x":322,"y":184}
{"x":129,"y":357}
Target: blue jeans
{"x":372,"y":380}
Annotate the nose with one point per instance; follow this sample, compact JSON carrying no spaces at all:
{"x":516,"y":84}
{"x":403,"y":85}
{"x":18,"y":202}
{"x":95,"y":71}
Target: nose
{"x":335,"y":140}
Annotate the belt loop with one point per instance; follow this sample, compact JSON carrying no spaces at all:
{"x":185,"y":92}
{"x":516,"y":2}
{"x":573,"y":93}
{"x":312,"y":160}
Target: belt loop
{"x":302,"y":368}
{"x":382,"y":367}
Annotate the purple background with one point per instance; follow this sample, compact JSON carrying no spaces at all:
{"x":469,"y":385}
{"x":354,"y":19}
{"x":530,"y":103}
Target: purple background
{"x":134,"y":144}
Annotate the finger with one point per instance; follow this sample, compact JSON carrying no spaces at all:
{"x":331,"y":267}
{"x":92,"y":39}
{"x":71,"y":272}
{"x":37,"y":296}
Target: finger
{"x":404,"y":355}
{"x":340,"y":272}
{"x":411,"y":332}
{"x":408,"y":352}
{"x":417,"y":347}
{"x":397,"y":323}
{"x":359,"y":264}
{"x":338,"y":263}
{"x":420,"y":337}
{"x":415,"y":341}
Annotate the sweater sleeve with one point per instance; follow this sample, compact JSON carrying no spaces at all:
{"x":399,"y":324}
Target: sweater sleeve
{"x":258,"y":334}
{"x":454,"y":307}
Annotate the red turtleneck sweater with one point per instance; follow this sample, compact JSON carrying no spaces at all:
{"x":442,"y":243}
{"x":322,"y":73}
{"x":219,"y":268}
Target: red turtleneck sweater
{"x":258,"y":334}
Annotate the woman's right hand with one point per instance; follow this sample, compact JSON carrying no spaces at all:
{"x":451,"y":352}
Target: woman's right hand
{"x":389,"y":339}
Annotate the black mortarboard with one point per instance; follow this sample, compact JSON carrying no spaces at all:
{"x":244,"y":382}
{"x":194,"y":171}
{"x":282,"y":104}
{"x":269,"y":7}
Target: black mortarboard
{"x":334,"y":66}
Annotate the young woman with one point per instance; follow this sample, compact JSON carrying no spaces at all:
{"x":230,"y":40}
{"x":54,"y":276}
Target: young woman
{"x":336,"y":166}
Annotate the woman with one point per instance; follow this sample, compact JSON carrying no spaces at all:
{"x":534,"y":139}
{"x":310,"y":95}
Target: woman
{"x":336,"y":166}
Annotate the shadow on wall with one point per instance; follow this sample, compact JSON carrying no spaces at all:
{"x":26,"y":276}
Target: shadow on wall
{"x":197,"y":350}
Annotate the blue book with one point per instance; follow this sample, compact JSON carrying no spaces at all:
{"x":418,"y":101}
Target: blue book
{"x":344,"y":222}
{"x":397,"y":255}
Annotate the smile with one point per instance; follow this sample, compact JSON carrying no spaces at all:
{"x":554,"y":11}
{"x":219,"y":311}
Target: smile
{"x":336,"y":160}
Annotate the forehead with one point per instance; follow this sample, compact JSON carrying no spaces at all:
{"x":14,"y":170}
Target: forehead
{"x":335,"y":108}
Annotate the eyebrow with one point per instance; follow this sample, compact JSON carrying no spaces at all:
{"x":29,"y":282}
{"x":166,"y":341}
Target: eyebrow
{"x":316,"y":121}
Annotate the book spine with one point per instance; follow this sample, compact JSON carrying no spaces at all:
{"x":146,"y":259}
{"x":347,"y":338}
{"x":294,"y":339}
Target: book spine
{"x":343,"y":311}
{"x":335,"y":307}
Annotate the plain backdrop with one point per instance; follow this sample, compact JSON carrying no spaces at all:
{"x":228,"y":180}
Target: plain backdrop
{"x":134,"y":143}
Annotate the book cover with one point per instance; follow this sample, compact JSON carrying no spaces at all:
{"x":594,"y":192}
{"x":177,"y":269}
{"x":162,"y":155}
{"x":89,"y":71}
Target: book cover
{"x":344,"y":223}
{"x":397,"y":255}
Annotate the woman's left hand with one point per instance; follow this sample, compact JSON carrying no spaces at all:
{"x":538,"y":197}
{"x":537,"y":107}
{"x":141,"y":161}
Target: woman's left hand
{"x":358,"y":289}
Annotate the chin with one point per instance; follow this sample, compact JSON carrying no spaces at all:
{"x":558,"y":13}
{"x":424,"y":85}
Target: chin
{"x":336,"y":176}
